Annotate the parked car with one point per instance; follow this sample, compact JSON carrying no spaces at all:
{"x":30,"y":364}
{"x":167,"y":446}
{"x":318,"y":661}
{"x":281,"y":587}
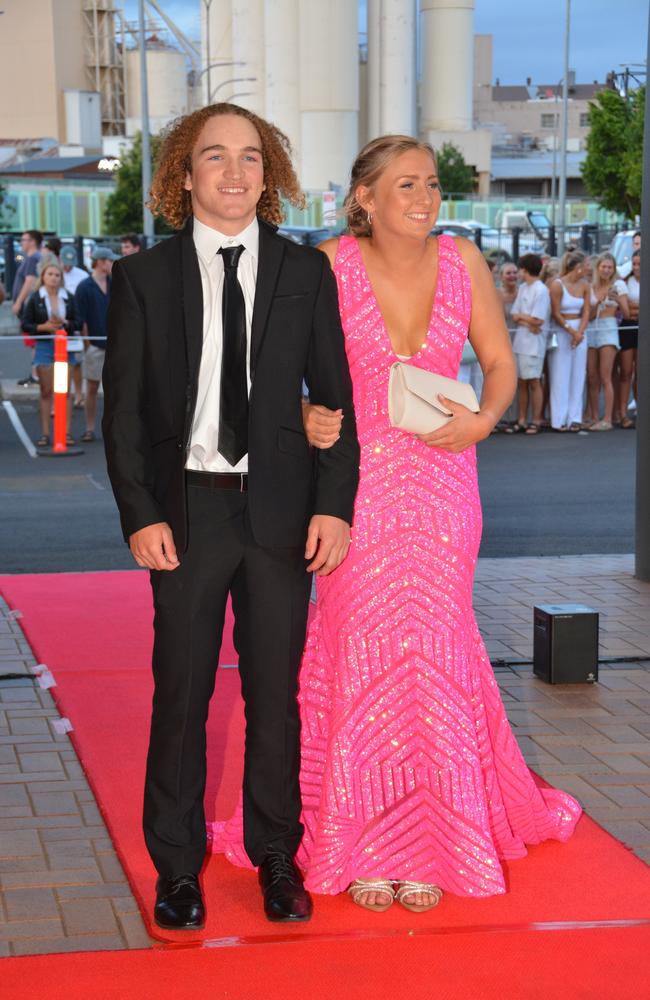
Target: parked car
{"x":308,"y":235}
{"x":622,"y":250}
{"x":496,"y":244}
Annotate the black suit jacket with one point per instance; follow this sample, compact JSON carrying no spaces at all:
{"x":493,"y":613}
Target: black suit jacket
{"x":155,"y":334}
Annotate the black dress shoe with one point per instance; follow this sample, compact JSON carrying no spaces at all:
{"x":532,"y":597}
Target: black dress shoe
{"x":179,"y":903}
{"x":285,"y":897}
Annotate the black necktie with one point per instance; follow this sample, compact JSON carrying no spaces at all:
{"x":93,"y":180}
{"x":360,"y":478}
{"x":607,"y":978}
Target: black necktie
{"x":233,"y":405}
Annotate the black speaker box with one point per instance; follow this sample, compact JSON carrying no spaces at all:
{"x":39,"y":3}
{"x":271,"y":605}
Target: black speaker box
{"x":565,"y":643}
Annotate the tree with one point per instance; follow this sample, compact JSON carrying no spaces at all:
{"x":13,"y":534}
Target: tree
{"x":123,"y":212}
{"x":612,"y":170}
{"x":456,"y":177}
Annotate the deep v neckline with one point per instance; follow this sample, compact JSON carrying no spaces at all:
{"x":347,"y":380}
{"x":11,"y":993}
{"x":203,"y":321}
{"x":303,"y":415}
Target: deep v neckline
{"x":375,"y":300}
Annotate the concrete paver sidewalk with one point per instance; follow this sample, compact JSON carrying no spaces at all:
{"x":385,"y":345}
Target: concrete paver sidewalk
{"x":63,"y":888}
{"x":505,"y":591}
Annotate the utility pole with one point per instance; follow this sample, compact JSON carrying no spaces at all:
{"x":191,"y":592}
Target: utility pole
{"x":565,"y":132}
{"x":207,"y":4}
{"x":642,"y":534}
{"x":556,"y":118}
{"x":147,"y":217}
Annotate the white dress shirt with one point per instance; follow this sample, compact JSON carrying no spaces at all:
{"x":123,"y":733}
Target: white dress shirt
{"x":203,"y":454}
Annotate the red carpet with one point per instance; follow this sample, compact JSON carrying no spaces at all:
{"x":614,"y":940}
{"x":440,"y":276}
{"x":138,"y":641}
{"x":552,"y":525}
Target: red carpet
{"x":93,"y":632}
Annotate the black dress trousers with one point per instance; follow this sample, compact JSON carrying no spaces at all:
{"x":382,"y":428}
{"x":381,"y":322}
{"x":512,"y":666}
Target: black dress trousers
{"x":270,"y":594}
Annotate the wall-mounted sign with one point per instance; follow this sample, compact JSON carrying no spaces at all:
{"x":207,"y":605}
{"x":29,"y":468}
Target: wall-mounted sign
{"x":109,"y":163}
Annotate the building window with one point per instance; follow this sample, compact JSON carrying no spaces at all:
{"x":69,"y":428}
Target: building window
{"x":549,"y":121}
{"x":584,"y":119}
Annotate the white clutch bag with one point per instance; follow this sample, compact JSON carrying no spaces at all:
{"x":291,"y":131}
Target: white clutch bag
{"x":413,"y":403}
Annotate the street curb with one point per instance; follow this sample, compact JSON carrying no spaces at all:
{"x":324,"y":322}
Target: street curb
{"x":14,"y":393}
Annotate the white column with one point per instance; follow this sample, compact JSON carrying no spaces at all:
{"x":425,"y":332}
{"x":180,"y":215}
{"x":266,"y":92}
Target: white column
{"x":282,"y":31}
{"x":329,"y":91}
{"x":447,"y":54}
{"x":248,"y":56}
{"x":220,"y":23}
{"x":374,"y":69}
{"x":398,"y":66}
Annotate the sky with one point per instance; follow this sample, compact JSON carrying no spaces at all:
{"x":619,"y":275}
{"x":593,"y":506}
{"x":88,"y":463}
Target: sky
{"x":528,"y":36}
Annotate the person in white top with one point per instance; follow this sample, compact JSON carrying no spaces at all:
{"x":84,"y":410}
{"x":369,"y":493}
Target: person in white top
{"x":567,"y":363}
{"x":610,"y":294}
{"x":530,"y":314}
{"x":72,"y":276}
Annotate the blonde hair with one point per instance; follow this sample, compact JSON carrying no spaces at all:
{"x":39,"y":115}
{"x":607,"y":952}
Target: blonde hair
{"x":599,"y":259}
{"x":368,"y":168}
{"x":48,"y":260}
{"x":551,"y":269}
{"x":570,"y":261}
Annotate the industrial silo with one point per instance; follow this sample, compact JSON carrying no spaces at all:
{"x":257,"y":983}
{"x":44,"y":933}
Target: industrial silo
{"x":166,"y":82}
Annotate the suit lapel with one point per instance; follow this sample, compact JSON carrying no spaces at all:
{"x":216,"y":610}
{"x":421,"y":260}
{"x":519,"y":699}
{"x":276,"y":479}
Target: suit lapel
{"x":271,"y":253}
{"x":192,"y":299}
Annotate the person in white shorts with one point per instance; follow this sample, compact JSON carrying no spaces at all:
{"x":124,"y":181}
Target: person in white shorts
{"x":530,"y":314}
{"x":610,"y":294}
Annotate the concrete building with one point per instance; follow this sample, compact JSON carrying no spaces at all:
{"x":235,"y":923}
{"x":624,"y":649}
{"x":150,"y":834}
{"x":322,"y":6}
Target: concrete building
{"x":300,"y":66}
{"x":41,"y":57}
{"x":298,"y":63}
{"x":446,"y":61}
{"x":530,"y":175}
{"x":63,"y":195}
{"x":167,"y":87}
{"x":528,"y":116}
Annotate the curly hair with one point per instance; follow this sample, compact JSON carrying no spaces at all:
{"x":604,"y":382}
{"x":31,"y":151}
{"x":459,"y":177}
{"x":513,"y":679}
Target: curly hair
{"x":169,"y":198}
{"x":368,"y":168}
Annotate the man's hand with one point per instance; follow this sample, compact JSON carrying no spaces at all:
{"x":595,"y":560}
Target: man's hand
{"x":464,"y":429}
{"x":153,"y":547}
{"x":322,"y":426}
{"x":15,"y":308}
{"x":328,"y":541}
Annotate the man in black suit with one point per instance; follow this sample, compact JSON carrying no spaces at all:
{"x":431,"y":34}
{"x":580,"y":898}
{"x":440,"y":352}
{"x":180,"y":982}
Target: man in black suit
{"x":211,"y":334}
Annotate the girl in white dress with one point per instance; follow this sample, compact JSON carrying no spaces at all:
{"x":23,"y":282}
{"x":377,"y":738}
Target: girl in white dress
{"x":568,"y":361}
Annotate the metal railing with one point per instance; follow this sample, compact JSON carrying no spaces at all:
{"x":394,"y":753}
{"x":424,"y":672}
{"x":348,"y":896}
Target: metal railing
{"x":502,"y":244}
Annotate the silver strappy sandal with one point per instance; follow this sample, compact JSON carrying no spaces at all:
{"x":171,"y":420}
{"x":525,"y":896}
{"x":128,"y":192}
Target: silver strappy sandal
{"x":359,"y":888}
{"x":407,"y":888}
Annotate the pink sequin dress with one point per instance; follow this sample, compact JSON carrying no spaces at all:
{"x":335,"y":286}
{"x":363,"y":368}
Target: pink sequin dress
{"x":409,"y":765}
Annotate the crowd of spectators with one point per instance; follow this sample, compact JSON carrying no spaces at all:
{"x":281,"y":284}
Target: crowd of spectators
{"x":574,"y":329}
{"x":573,"y":324}
{"x":52,"y":292}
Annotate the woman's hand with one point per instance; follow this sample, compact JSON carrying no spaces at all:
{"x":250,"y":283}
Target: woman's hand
{"x":48,"y":327}
{"x":322,"y":426}
{"x":463,"y":430}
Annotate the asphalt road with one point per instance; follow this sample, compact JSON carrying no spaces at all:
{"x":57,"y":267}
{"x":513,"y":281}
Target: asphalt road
{"x":545,"y":495}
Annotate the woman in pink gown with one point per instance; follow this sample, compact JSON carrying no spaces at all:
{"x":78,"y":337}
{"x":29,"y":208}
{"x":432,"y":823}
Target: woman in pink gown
{"x":412,"y":781}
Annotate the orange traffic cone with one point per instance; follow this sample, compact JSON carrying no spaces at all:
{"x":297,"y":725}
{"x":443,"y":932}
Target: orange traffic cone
{"x":60,"y":447}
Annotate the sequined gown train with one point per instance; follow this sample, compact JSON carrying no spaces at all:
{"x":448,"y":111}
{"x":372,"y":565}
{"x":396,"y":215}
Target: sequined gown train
{"x":409,"y":766}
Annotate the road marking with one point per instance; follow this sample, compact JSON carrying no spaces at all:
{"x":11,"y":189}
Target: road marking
{"x":19,"y":429}
{"x":91,"y":479}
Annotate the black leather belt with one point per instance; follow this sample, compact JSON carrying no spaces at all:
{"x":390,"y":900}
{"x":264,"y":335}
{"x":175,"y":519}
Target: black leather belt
{"x":218,"y":480}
